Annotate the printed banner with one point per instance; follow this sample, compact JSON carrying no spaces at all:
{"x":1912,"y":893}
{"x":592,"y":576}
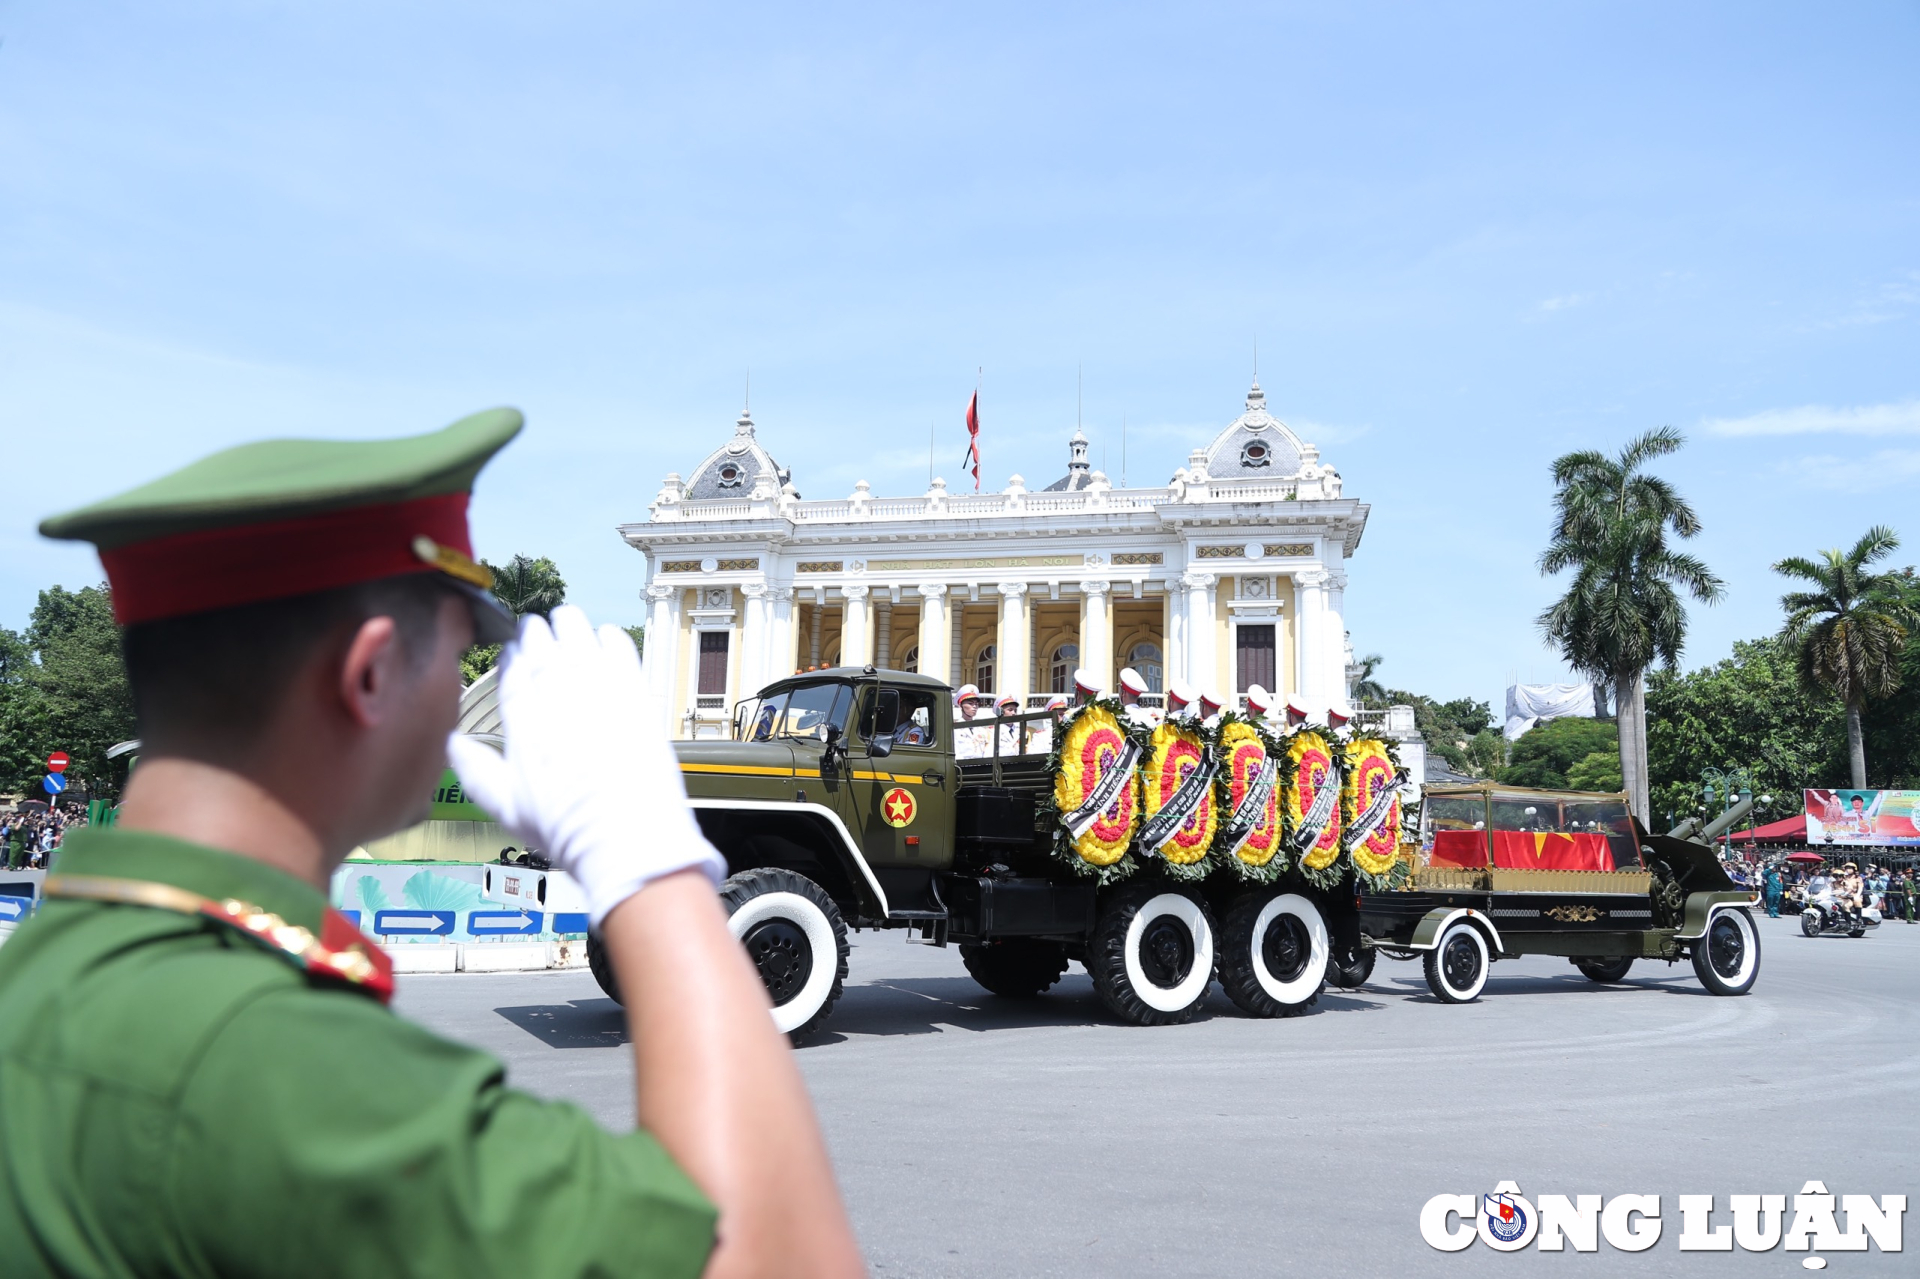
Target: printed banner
{"x":1864,"y":817}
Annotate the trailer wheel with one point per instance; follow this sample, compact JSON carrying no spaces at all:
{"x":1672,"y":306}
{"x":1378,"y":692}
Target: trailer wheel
{"x":1457,"y":967}
{"x":796,"y":939}
{"x":1727,"y":958}
{"x":600,"y":964}
{"x":1017,"y":968}
{"x":1273,"y":954}
{"x":1605,"y":971}
{"x":1152,"y":955}
{"x":1352,"y":974}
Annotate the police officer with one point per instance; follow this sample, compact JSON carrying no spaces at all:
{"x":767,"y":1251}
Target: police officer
{"x":198,"y":1070}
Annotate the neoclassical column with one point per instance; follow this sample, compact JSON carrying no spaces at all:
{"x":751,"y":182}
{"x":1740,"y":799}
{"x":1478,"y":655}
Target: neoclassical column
{"x":1202,"y":631}
{"x":1333,"y":638}
{"x":1013,"y":641}
{"x":1309,"y":642}
{"x":936,"y":632}
{"x":1176,"y":630}
{"x":815,"y":626}
{"x":856,"y":630}
{"x":781,"y":658}
{"x":1096,"y":632}
{"x":753,"y":640}
{"x":663,"y":643}
{"x":883,"y":632}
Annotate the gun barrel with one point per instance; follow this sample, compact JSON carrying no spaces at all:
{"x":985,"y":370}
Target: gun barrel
{"x":1725,"y":821}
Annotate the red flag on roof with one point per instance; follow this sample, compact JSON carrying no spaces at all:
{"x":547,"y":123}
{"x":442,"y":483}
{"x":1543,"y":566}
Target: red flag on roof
{"x":972,"y":458}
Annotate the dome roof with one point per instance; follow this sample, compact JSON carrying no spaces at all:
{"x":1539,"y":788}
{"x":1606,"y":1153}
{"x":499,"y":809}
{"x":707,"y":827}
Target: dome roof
{"x":736,"y":468}
{"x":1258,"y":444}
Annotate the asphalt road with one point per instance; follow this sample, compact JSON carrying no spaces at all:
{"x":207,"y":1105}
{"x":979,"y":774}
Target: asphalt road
{"x":976,"y":1136}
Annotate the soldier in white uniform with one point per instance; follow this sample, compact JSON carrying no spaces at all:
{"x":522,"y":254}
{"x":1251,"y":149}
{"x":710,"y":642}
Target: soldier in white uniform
{"x":1211,"y":702}
{"x":1340,"y":722}
{"x":1040,"y":732}
{"x":1086,"y":688}
{"x":1010,"y":743}
{"x":1180,"y":700}
{"x":1133,"y":686}
{"x":969,"y":742}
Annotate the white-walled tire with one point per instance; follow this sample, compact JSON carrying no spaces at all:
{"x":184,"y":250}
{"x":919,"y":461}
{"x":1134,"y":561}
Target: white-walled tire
{"x":1273,"y":954}
{"x":1457,"y":967}
{"x":1152,"y":955}
{"x":1726,"y":959}
{"x":794,"y":935}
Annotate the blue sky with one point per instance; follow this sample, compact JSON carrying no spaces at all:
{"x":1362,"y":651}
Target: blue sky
{"x":1466,"y":238}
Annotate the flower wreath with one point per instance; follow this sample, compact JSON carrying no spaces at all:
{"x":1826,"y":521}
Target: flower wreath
{"x":1313,"y":807}
{"x":1370,"y":809}
{"x":1252,"y":789}
{"x":1093,"y":755}
{"x":1177,"y":750}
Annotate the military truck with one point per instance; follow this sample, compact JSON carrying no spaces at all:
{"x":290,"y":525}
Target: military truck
{"x":840,"y":802}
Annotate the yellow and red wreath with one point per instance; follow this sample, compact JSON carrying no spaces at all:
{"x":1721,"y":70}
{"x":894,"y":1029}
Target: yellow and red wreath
{"x":1176,"y":753}
{"x":1313,"y":799}
{"x":1243,"y":758}
{"x":1371,"y":799}
{"x":1092,"y":747}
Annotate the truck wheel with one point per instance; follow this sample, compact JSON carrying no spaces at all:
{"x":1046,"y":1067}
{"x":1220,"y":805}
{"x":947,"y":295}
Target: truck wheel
{"x":1457,"y":967}
{"x":1152,"y":955}
{"x":600,"y":964}
{"x":1273,"y":954}
{"x":1727,"y":959}
{"x":795,"y":937}
{"x":1017,"y":968}
{"x":1604,"y":971}
{"x":1352,"y":974}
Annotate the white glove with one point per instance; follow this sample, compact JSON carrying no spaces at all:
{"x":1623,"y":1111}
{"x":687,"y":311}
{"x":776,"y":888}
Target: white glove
{"x":588,"y":778}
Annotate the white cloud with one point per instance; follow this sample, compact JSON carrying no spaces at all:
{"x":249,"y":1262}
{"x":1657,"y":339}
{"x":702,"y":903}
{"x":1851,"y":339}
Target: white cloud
{"x":1819,"y":419}
{"x":1566,"y":302}
{"x":1883,"y":469}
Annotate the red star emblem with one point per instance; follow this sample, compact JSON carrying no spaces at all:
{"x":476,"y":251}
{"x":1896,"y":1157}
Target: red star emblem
{"x":897,"y":807}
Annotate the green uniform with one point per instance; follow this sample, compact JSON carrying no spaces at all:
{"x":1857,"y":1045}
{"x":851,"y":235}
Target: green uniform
{"x":177,"y":1098}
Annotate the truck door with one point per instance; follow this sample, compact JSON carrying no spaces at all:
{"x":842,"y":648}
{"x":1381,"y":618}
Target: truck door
{"x":903,"y":779}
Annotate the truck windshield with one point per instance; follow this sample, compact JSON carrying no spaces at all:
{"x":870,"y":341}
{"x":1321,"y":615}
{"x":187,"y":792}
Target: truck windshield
{"x":798,"y":712}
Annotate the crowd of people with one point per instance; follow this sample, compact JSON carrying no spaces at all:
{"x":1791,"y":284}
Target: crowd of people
{"x":1783,"y":885}
{"x":29,"y":837}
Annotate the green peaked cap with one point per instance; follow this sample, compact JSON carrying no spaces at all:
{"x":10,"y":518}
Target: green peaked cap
{"x":286,"y":479}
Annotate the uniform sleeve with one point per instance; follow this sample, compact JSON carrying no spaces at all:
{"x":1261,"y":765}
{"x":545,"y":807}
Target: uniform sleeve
{"x":321,"y":1135}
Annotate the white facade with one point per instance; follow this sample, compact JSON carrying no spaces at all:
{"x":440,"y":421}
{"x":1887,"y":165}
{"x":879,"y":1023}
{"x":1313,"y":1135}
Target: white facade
{"x":1232,"y":573}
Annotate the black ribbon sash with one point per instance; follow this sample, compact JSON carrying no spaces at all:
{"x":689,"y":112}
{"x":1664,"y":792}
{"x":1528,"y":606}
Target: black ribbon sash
{"x":1366,"y":823}
{"x":1246,"y":817}
{"x":1100,"y":798}
{"x":1163,"y":825}
{"x":1313,"y":823}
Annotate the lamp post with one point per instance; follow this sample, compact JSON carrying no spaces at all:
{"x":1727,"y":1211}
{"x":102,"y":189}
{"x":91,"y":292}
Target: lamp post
{"x":1731,"y":786}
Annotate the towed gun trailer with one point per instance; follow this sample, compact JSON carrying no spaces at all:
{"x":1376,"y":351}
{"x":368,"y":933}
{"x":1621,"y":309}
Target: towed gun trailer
{"x":1504,"y":872}
{"x":840,"y":803}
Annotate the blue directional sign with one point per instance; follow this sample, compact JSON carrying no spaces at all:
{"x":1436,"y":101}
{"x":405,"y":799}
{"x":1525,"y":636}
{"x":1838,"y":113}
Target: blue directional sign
{"x":53,"y":783}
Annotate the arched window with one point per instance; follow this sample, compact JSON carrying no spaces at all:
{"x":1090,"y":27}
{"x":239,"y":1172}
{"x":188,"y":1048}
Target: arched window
{"x":1060,"y":669}
{"x":1145,"y":658}
{"x":983,"y":670}
{"x":911,"y":662}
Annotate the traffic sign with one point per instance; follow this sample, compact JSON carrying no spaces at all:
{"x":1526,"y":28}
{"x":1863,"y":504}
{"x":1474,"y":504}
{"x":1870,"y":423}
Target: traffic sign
{"x":53,"y":783}
{"x":58,"y":761}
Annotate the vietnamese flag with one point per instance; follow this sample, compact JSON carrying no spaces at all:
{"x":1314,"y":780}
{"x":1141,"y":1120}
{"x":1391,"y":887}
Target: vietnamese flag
{"x":1551,"y":850}
{"x":972,"y":456}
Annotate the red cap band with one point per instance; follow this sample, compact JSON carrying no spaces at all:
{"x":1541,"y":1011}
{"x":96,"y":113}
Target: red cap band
{"x":246,"y":563}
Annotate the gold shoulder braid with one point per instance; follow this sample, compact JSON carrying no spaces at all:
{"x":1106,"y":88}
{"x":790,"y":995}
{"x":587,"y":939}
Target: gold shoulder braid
{"x":341,"y":952}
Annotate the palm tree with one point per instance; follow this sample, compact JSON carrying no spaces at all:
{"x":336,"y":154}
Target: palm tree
{"x":1848,"y":631}
{"x":1622,"y":611}
{"x":1365,"y":687}
{"x":527,"y":585}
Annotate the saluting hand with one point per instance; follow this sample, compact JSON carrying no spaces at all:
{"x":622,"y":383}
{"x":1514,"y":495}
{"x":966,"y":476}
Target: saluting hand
{"x":587,"y":777}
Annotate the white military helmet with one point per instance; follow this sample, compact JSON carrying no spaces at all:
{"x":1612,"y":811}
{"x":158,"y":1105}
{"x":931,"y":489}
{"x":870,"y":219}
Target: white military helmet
{"x":1133,"y":685}
{"x":1259,"y":700}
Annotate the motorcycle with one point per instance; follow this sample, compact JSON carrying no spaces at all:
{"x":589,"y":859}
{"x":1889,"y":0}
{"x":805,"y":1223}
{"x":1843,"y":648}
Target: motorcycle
{"x":1823,"y":916}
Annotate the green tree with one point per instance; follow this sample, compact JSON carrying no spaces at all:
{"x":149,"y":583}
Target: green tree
{"x":1487,"y":752}
{"x":524,"y":584}
{"x":1892,"y":724}
{"x":1449,"y":728}
{"x":1622,"y":613}
{"x":1545,"y":754}
{"x":1599,"y":771}
{"x":1849,"y":631}
{"x":64,"y":687}
{"x":1748,"y":711}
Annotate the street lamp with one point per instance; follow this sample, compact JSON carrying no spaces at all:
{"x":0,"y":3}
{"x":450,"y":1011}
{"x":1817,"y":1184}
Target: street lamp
{"x":1731,"y":786}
